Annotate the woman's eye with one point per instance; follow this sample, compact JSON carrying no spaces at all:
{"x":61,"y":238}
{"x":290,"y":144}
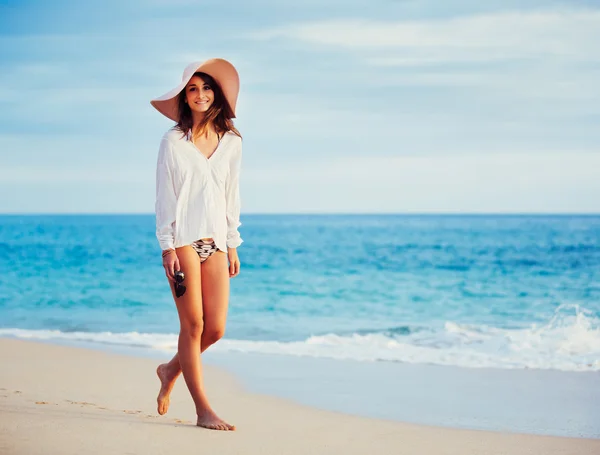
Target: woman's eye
{"x":192,"y":89}
{"x":207,"y":87}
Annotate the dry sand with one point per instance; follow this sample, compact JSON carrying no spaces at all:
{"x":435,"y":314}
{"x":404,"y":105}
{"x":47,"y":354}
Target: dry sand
{"x":65,"y":400}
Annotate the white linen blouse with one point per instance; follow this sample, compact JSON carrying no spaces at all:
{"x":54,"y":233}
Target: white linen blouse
{"x":198,"y":197}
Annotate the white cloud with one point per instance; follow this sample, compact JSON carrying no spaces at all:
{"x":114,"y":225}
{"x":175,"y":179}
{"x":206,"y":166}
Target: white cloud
{"x":73,"y":153}
{"x":27,"y":175}
{"x":483,"y":183}
{"x":477,"y":38}
{"x":529,"y":60}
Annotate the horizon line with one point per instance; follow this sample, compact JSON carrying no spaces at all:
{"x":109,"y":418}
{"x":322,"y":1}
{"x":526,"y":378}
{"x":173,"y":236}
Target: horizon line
{"x":317,"y":214}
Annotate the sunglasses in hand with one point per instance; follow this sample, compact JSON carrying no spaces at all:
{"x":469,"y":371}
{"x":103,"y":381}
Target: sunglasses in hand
{"x":179,"y":288}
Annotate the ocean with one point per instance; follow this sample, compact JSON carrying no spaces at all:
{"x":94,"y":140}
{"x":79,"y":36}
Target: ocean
{"x":480,"y":291}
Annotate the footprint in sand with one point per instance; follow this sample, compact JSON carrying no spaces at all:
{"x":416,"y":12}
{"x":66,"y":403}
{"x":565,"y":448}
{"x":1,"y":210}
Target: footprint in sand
{"x":82,"y":403}
{"x":41,"y":402}
{"x":126,"y":411}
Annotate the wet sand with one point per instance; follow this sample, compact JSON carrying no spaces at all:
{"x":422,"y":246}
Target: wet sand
{"x":68,"y":400}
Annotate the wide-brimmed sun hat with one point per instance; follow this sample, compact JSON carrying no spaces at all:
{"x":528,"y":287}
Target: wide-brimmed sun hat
{"x":221,"y":71}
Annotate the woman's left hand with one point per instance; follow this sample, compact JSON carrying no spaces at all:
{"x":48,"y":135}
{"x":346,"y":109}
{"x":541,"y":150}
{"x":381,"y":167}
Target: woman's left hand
{"x":234,"y":262}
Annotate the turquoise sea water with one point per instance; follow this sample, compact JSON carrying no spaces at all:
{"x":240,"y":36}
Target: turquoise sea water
{"x":468,"y":291}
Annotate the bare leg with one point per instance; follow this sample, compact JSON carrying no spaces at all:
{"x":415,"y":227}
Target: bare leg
{"x":215,"y":299}
{"x":168,"y":374}
{"x":190,"y":310}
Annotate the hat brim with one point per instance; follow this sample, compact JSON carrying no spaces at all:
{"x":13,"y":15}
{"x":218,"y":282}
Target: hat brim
{"x":223,"y":72}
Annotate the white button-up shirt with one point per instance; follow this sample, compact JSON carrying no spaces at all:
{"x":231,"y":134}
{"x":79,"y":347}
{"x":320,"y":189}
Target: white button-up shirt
{"x":198,"y":197}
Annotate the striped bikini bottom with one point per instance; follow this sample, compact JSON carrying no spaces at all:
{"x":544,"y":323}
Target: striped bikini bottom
{"x":205,"y":248}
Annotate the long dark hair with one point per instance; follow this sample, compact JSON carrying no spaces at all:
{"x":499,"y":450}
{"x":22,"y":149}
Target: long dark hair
{"x":218,"y":114}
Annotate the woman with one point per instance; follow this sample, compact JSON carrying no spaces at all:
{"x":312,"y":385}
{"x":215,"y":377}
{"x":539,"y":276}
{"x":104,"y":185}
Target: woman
{"x":197,"y":218}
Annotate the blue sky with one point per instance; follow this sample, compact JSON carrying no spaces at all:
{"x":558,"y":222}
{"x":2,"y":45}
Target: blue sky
{"x":414,"y":106}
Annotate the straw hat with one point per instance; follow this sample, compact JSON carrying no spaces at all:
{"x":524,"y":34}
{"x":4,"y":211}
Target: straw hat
{"x":221,"y":70}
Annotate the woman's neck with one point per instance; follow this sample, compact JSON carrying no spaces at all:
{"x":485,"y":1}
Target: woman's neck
{"x":208,"y":129}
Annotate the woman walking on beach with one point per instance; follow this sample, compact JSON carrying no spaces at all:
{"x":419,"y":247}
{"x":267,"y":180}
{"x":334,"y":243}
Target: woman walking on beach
{"x":197,"y":218}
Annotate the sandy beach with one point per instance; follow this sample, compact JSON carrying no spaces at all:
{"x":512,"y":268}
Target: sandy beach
{"x":68,"y":400}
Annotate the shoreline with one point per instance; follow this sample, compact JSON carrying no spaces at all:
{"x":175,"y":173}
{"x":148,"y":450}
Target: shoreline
{"x":536,"y":402}
{"x":519,"y":401}
{"x":60,"y":399}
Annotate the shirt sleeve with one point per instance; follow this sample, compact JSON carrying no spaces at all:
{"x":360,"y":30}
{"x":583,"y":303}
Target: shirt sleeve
{"x":166,"y":199}
{"x":233,"y":199}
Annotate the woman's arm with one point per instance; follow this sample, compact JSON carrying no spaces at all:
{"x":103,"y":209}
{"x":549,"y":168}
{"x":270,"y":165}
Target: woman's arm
{"x":166,"y":200}
{"x":232,"y":190}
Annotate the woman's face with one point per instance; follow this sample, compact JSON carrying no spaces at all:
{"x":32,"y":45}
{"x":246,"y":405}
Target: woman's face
{"x":199,"y":96}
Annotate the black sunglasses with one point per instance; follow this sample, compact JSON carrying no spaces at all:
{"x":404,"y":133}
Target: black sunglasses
{"x":179,"y":288}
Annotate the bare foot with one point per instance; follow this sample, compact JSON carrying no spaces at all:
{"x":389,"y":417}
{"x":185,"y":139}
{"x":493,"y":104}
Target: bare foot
{"x":166,"y":385}
{"x":209,"y":420}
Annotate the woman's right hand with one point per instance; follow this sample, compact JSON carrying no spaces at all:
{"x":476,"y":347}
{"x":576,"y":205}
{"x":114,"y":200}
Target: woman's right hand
{"x":170,"y":263}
